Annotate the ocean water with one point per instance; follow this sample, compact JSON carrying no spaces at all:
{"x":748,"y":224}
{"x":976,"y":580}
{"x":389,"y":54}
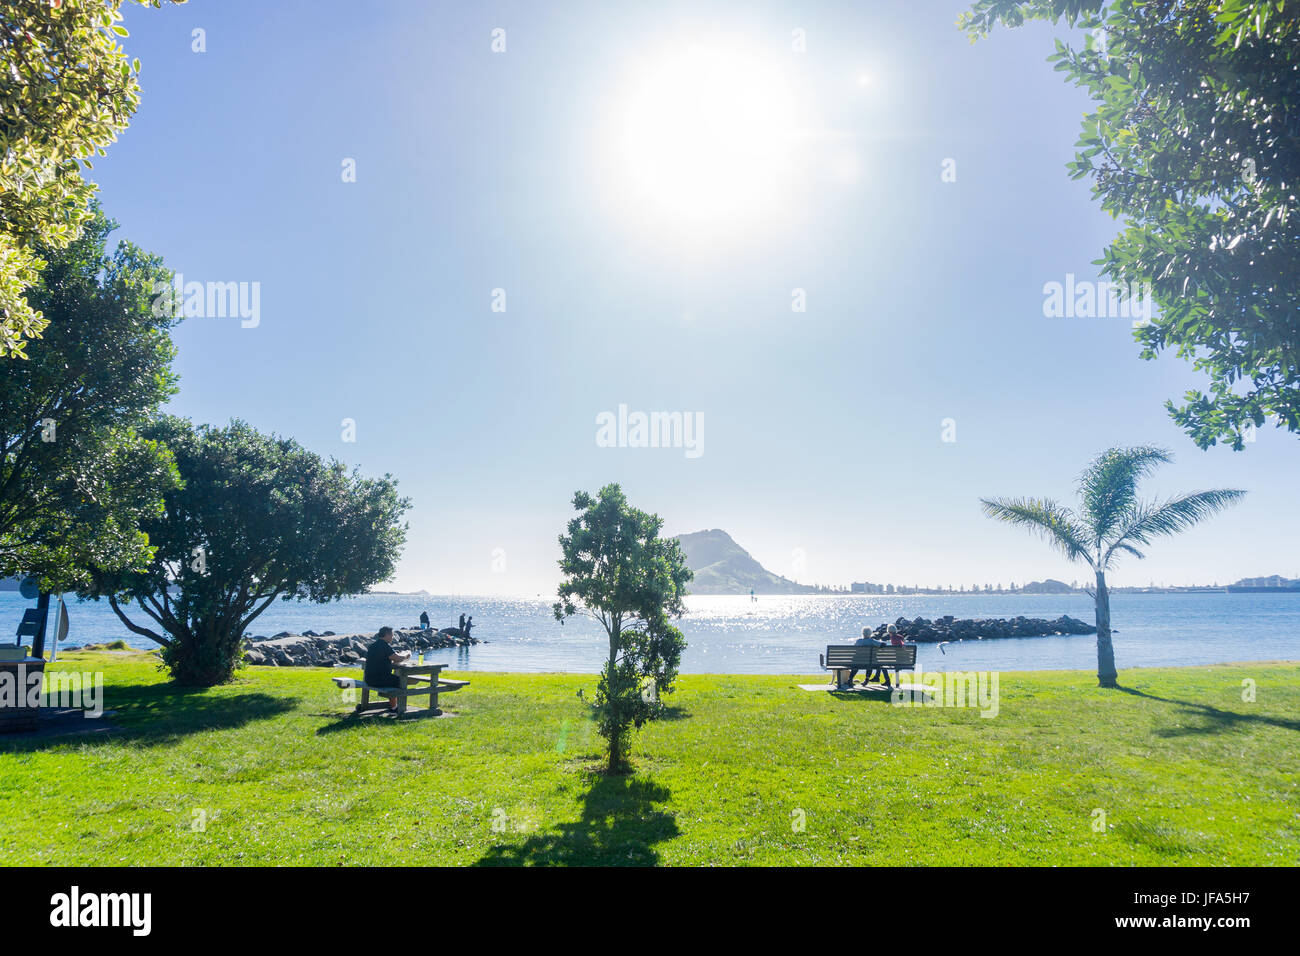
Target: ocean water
{"x":784,"y":635}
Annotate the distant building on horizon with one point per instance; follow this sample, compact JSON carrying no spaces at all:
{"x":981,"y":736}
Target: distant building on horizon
{"x":1274,"y":582}
{"x":866,"y":587}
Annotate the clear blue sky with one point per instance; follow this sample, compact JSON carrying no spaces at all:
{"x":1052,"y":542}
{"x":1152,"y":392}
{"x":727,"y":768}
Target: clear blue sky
{"x":648,"y":258}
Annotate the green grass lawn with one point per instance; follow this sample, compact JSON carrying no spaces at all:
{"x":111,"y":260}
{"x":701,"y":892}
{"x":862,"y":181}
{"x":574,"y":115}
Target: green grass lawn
{"x":276,"y":772}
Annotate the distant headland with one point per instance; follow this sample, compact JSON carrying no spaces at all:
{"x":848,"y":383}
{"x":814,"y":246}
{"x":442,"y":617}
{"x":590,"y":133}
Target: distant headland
{"x":722,"y":566}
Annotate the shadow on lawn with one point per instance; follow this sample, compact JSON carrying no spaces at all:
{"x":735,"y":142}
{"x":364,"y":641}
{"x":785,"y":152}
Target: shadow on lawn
{"x":151,"y":714}
{"x":374,"y":718}
{"x":860,"y":695}
{"x":620,"y":826}
{"x":673,"y":712}
{"x":1217,"y":719}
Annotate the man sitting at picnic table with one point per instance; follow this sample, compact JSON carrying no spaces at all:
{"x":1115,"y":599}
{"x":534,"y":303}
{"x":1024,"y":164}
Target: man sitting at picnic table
{"x":380,"y":658}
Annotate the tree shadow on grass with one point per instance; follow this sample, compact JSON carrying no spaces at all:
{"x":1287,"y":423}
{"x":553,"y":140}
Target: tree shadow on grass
{"x":1216,"y":719}
{"x":620,"y":826}
{"x":149,"y":715}
{"x":862,"y":695}
{"x":673,"y":712}
{"x":375,"y":718}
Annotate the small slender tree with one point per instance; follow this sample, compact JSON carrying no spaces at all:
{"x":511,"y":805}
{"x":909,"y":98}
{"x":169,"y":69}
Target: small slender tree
{"x":1111,"y":521}
{"x":622,"y":574}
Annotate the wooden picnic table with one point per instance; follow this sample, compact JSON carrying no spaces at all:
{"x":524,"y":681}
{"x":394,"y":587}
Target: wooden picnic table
{"x":421,"y":672}
{"x":407,"y":673}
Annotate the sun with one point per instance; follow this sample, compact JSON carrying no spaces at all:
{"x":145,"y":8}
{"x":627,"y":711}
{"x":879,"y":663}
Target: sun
{"x":706,"y":135}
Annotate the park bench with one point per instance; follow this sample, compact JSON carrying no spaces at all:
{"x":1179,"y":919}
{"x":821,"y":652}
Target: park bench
{"x":424,"y":677}
{"x":839,"y":659}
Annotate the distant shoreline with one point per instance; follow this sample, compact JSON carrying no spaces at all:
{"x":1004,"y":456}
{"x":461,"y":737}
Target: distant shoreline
{"x":1231,"y":589}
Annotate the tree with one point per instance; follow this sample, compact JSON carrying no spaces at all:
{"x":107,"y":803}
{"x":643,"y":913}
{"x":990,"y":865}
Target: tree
{"x":1111,"y":521}
{"x":658,"y":651}
{"x":68,"y":91}
{"x":259,"y":518}
{"x":622,"y":574}
{"x":77,"y":474}
{"x":1194,"y":144}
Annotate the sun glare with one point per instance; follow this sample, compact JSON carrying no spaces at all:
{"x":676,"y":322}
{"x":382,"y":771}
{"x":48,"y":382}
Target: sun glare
{"x":707,"y":137}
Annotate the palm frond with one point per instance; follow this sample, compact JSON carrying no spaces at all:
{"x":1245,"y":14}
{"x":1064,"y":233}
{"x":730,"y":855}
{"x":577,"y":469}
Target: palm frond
{"x":1058,"y":525}
{"x":1108,"y":486}
{"x":1125,"y":547}
{"x":1152,"y":519}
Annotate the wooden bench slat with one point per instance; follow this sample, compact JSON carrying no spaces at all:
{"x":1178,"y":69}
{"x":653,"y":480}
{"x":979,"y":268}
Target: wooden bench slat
{"x":843,"y":657}
{"x":445,"y":683}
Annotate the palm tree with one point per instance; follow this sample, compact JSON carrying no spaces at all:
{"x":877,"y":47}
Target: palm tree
{"x":1111,"y":521}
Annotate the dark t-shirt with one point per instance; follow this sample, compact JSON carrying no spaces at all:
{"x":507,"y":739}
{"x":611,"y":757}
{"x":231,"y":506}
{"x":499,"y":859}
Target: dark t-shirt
{"x":379,"y":669}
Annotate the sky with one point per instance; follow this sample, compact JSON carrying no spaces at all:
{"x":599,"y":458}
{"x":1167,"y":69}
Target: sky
{"x":820,"y":232}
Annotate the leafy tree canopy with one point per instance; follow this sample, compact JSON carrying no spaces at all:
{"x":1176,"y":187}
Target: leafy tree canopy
{"x":616,"y":566}
{"x":259,"y":518}
{"x":77,"y":476}
{"x":68,"y":90}
{"x":1195,"y":144}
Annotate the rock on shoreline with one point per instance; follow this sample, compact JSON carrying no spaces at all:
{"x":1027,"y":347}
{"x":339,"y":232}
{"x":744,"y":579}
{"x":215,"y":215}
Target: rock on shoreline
{"x":349,"y":650}
{"x":947,"y":628}
{"x":339,"y":650}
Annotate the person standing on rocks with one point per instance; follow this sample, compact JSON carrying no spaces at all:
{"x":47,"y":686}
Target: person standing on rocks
{"x":424,"y":620}
{"x":462,"y":622}
{"x":380,"y":658}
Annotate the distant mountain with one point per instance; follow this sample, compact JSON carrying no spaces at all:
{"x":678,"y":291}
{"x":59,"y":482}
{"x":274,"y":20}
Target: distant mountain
{"x":723,"y":567}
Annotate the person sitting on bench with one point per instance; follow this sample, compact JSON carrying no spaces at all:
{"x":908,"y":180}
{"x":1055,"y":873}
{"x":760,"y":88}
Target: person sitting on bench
{"x":895,"y":640}
{"x":380,"y":658}
{"x":865,"y":639}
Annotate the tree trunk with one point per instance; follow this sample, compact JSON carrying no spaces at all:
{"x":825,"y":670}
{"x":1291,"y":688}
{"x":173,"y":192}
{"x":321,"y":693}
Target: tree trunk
{"x":1106,"y":676}
{"x":615,"y":755}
